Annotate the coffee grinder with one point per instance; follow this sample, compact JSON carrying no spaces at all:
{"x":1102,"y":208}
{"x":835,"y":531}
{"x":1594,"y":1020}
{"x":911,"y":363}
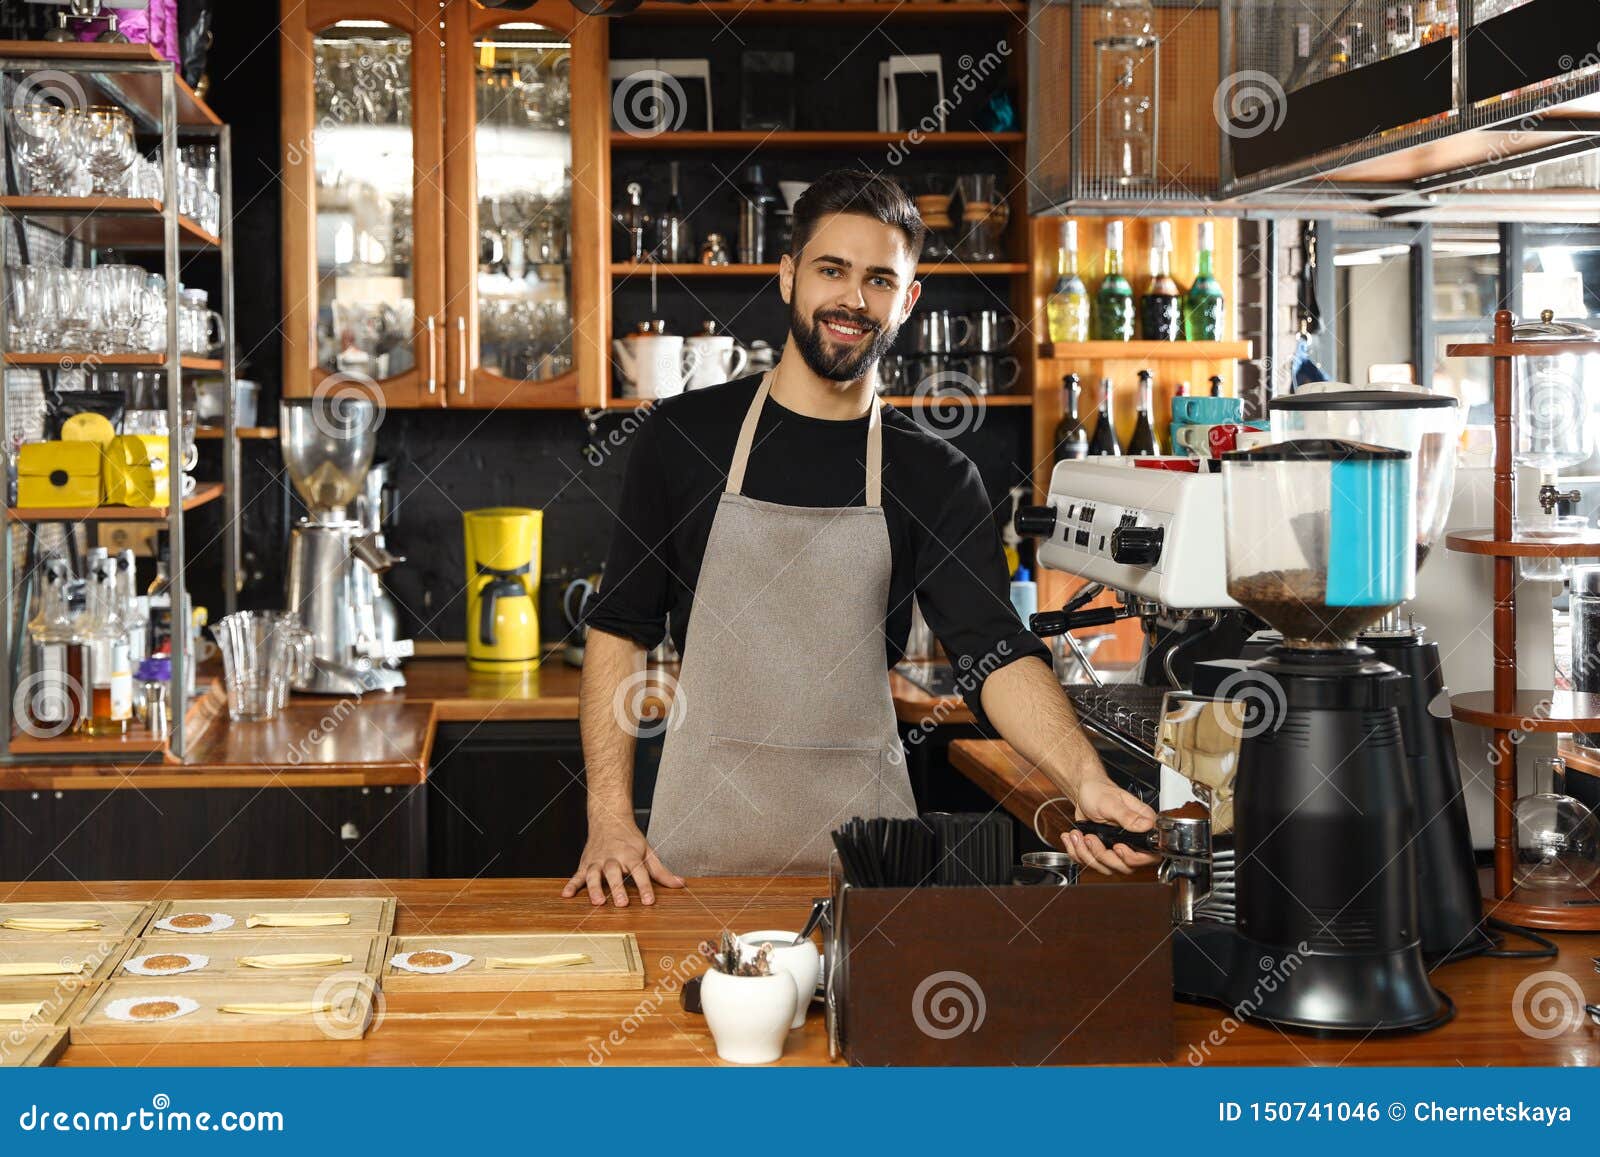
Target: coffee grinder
{"x":327,"y":447}
{"x":1320,"y":543}
{"x":1428,"y":425}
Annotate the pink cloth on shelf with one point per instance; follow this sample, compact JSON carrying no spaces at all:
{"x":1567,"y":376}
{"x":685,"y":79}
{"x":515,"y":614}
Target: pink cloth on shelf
{"x":156,"y":26}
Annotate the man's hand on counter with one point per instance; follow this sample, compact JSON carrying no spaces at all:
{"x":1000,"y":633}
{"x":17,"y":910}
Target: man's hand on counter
{"x":614,"y":852}
{"x":1102,"y":801}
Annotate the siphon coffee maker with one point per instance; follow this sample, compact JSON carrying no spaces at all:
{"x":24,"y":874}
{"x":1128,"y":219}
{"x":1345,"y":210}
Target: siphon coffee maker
{"x":1320,"y":538}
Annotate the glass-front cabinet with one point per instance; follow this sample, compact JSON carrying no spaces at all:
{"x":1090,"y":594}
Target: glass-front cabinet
{"x":433,"y":244}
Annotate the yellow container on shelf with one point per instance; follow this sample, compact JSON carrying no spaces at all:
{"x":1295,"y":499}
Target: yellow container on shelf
{"x":58,"y":474}
{"x":136,"y":470}
{"x":88,"y":427}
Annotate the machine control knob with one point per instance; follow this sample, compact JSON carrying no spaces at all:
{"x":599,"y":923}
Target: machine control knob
{"x":1136,"y":545}
{"x":1036,"y":521}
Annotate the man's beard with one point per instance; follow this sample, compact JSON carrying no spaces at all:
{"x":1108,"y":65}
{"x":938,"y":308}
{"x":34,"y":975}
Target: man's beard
{"x":841,"y":365}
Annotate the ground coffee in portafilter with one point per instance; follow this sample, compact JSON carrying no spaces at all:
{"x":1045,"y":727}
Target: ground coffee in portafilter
{"x":1294,"y":601}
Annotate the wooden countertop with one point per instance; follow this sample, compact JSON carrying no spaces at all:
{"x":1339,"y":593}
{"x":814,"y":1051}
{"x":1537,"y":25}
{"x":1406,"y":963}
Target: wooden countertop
{"x":375,"y":740}
{"x":648,"y":1027}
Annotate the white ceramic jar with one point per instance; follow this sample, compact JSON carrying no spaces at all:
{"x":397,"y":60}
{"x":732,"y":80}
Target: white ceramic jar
{"x":748,"y":1016}
{"x":801,"y":961}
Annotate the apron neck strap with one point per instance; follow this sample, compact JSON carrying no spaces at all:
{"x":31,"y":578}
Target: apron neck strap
{"x":747,"y":438}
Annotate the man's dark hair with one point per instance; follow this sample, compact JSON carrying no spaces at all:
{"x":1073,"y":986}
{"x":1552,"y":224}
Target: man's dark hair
{"x":853,"y":191}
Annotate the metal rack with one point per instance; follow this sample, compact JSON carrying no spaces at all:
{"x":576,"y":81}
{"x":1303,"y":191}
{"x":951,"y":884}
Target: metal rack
{"x":1274,"y":56}
{"x":148,"y":87}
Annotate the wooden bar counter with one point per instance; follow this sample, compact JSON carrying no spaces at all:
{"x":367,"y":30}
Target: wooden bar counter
{"x":378,"y":740}
{"x":648,"y":1027}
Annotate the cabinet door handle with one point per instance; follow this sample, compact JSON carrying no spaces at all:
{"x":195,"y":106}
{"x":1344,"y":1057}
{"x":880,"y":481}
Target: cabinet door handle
{"x":461,"y":356}
{"x":430,"y":326}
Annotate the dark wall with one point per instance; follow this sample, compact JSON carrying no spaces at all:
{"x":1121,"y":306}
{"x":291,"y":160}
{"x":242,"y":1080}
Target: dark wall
{"x":448,"y":462}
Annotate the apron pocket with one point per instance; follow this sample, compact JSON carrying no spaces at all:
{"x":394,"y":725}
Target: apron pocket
{"x":776,"y":804}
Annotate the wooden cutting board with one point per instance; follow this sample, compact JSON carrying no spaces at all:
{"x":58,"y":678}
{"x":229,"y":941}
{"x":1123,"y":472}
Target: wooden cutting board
{"x":369,"y":916}
{"x":33,"y":1049}
{"x":57,"y":1002}
{"x":223,"y":950}
{"x":351,"y":995}
{"x":100,"y":955}
{"x":118,"y":919}
{"x":616,"y":963}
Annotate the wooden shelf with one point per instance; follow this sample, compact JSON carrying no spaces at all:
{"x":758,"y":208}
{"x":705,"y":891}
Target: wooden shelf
{"x":1547,"y":711}
{"x":139,"y":92}
{"x":926,"y":269}
{"x":135,"y":741}
{"x":807,"y":140}
{"x":1483,"y":542}
{"x":126,"y":222}
{"x":203,"y":493}
{"x":1522,"y":349}
{"x":903,"y":401}
{"x":811,"y":11}
{"x":245,"y":433}
{"x":92,"y":360}
{"x":1146,"y":351}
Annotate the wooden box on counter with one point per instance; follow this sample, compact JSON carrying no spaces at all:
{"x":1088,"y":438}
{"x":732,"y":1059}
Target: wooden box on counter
{"x":1017,"y":975}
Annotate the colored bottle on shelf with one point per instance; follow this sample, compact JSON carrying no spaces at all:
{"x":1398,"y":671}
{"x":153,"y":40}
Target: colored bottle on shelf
{"x":1113,"y":301}
{"x":1160,"y":306}
{"x":159,"y":598}
{"x":673,"y":244}
{"x":1216,"y":385}
{"x":110,"y":673}
{"x":1104,"y":439}
{"x":1142,"y":442}
{"x":1203,"y":306}
{"x":1071,"y":439}
{"x":1067,"y":307}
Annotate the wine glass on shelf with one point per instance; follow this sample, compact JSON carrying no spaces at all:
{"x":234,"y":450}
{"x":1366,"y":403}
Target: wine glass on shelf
{"x":109,"y":149}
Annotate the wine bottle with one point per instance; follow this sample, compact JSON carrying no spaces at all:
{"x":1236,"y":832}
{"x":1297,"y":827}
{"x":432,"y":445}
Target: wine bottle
{"x":672,"y":231}
{"x":1067,"y":307}
{"x":1113,"y":302}
{"x":1104,"y":440}
{"x":1143,"y":439}
{"x":1071,"y":439}
{"x":1203,"y":306}
{"x":1160,"y":315}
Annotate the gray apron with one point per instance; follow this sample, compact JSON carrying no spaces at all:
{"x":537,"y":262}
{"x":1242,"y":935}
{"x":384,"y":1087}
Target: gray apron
{"x":782,"y":724}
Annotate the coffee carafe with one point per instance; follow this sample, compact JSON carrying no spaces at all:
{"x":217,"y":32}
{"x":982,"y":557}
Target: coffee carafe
{"x":503,"y":588}
{"x":334,"y":561}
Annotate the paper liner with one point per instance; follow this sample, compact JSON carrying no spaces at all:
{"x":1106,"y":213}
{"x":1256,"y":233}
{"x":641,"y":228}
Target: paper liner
{"x":136,"y":964}
{"x":458,"y":960}
{"x":220,"y":921}
{"x":119,"y":1009}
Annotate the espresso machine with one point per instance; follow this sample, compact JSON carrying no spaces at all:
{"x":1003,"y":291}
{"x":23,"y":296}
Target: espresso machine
{"x":334,"y":561}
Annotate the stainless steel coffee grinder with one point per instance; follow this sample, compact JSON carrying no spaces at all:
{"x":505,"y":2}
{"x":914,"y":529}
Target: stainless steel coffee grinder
{"x":334,"y":560}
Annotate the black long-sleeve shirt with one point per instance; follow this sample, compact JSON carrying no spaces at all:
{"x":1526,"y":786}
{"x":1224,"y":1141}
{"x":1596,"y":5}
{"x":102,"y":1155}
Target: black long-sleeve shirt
{"x":942,"y":534}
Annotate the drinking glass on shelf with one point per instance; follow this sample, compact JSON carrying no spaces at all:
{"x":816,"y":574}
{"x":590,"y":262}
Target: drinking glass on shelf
{"x":980,"y":230}
{"x":109,"y":149}
{"x":48,"y":141}
{"x":120,"y":291}
{"x":197,"y":322}
{"x":32,"y":307}
{"x":74,"y":298}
